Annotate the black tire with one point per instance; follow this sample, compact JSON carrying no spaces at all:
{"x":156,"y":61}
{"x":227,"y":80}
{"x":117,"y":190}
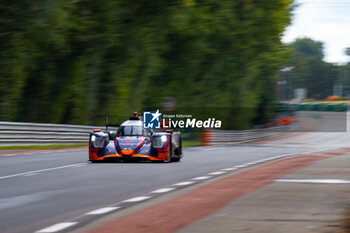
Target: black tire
{"x":176,"y":156}
{"x":180,"y":147}
{"x":176,"y":159}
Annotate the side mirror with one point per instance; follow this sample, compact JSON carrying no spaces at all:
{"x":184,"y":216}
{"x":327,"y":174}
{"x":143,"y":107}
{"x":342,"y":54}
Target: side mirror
{"x":112,"y":134}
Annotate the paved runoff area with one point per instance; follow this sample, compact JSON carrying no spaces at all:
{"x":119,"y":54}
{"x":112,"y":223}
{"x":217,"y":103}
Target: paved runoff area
{"x":312,"y":199}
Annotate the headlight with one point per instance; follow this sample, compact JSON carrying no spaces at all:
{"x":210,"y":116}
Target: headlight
{"x":159,"y":142}
{"x":163,"y":138}
{"x":98,"y":142}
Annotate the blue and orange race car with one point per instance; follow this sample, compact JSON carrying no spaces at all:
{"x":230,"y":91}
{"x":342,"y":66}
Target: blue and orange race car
{"x":132,"y":142}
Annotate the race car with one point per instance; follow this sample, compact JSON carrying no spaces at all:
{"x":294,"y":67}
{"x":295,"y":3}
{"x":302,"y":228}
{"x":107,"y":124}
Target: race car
{"x":132,"y":142}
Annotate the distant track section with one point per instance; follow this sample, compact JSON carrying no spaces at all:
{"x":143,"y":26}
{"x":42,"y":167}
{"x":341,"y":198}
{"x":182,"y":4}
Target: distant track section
{"x":232,"y":137}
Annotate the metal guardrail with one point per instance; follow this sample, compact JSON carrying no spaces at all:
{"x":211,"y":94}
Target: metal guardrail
{"x":19,"y":133}
{"x":232,"y":137}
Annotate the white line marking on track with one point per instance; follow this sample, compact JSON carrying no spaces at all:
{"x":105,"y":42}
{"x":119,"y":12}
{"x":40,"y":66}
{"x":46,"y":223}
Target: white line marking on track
{"x":37,"y":171}
{"x":8,"y":155}
{"x":216,"y":173}
{"x":79,"y":165}
{"x":137,"y":199}
{"x":202,"y":178}
{"x":163,"y":190}
{"x":316,"y":181}
{"x":102,"y":210}
{"x":241,"y":166}
{"x":31,"y":174}
{"x":184,"y":183}
{"x":248,"y":164}
{"x":261,"y":161}
{"x":229,"y":169}
{"x":57,"y":227}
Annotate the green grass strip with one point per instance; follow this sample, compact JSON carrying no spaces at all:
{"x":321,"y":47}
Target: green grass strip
{"x":191,"y":143}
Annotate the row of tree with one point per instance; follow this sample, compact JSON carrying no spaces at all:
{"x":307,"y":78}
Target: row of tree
{"x":75,"y":61}
{"x":310,"y":71}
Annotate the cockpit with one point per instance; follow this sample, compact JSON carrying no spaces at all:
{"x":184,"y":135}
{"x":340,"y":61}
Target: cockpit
{"x":133,"y":128}
{"x":130,"y":131}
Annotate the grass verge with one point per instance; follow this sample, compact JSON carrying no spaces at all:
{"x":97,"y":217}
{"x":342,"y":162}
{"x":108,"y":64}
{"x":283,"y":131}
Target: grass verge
{"x":191,"y":143}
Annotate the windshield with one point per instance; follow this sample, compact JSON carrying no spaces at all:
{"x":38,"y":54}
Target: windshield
{"x":130,"y":131}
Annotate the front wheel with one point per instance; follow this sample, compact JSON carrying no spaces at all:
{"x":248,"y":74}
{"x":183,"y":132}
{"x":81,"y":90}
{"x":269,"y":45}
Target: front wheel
{"x":177,"y":155}
{"x":177,"y":159}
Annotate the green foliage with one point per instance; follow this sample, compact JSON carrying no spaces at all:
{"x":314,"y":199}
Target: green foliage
{"x":310,"y":71}
{"x":76,"y":61}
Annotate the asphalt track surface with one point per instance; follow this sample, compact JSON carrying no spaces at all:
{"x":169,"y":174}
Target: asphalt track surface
{"x":42,"y":189}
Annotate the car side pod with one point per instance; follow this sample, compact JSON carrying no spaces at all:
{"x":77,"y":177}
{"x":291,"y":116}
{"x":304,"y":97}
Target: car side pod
{"x":97,"y":142}
{"x":161,"y":144}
